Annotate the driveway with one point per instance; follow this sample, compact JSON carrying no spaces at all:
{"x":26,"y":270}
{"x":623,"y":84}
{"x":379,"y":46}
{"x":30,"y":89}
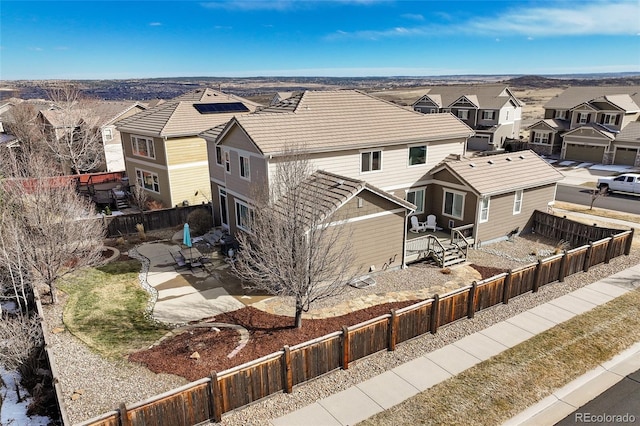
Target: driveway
{"x":185,"y":296}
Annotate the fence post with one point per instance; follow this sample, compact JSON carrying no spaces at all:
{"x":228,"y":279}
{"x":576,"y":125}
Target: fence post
{"x":393,"y":330}
{"x":536,"y":277}
{"x":345,"y":347}
{"x":216,"y":397}
{"x":288,"y":374}
{"x":563,"y":267}
{"x":471,"y":307}
{"x":587,"y":258}
{"x":435,"y":313}
{"x":506,"y":290}
{"x":609,"y":254}
{"x":627,"y":247}
{"x":124,"y":418}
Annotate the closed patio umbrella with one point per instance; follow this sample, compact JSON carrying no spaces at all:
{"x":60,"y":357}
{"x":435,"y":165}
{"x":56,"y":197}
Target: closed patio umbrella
{"x":186,"y":238}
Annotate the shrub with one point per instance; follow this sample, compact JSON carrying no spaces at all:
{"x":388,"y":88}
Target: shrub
{"x":200,"y":221}
{"x":154,"y":205}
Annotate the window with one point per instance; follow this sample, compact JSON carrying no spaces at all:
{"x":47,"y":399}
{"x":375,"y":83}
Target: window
{"x":453,"y":204}
{"x":488,"y":115}
{"x":561,"y":114}
{"x":218,"y":155}
{"x":224,"y":215}
{"x":416,"y":196}
{"x":227,"y":162}
{"x":143,"y":147}
{"x":517,"y":202}
{"x":609,"y":118}
{"x":417,"y":155}
{"x":244,"y":167}
{"x":148,"y":180}
{"x":463,"y":114}
{"x":583,"y":117}
{"x":484,"y":209}
{"x":108,"y":134}
{"x":370,"y":161}
{"x":432,"y":110}
{"x":244,"y":214}
{"x":541,"y":137}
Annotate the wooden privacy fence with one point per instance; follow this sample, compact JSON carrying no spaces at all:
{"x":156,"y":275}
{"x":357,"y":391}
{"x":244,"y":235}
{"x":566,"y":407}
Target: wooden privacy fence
{"x":211,"y":397}
{"x":575,"y":233}
{"x":152,"y":219}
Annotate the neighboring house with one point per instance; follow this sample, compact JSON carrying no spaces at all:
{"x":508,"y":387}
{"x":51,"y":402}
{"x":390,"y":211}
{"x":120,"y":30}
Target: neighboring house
{"x":106,"y":115}
{"x":279,"y":97}
{"x":584,"y":124}
{"x":344,"y":132}
{"x":491,"y":110}
{"x":162,"y":150}
{"x":497,"y":194}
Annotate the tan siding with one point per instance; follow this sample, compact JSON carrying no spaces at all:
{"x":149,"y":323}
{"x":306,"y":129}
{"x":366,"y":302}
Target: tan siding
{"x":395,"y":172}
{"x":446,"y":176}
{"x":501,"y":218}
{"x":165,"y":193}
{"x":435,"y":206}
{"x":238,"y":139}
{"x":186,"y":181}
{"x":371,"y":204}
{"x":186,"y":150}
{"x":216,"y":171}
{"x":376,"y":242}
{"x":158,"y":145}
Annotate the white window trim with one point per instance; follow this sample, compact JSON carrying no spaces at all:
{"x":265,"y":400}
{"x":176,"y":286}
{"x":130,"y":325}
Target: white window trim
{"x":247,"y":167}
{"x":227,"y":161}
{"x":426,"y":155}
{"x":609,"y":118}
{"x":517,"y":201}
{"x":444,"y":198}
{"x":222,"y":192}
{"x":463,"y":114}
{"x":237,"y":211}
{"x":491,"y":114}
{"x":420,"y":209}
{"x":560,"y":114}
{"x":135,"y":141}
{"x":370,"y":151}
{"x":108,"y":134}
{"x":140,"y":180}
{"x":484,"y":210}
{"x":219,"y":160}
{"x":539,"y":140}
{"x":581,"y":115}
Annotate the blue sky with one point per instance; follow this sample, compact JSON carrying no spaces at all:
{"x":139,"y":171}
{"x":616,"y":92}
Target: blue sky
{"x":342,"y":38}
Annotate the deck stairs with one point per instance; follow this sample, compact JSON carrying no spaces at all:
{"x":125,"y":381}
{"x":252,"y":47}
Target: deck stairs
{"x":441,"y":252}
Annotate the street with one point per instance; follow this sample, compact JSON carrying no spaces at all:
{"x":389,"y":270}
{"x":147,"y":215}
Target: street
{"x":582,"y":195}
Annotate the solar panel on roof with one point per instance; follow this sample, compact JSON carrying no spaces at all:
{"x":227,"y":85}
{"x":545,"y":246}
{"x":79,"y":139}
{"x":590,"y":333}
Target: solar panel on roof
{"x":221,"y":107}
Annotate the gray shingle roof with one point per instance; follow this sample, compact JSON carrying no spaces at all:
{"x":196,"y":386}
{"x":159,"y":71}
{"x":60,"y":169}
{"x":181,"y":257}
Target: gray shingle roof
{"x":579,"y":94}
{"x":322,"y":193}
{"x":553,"y":123}
{"x":630,"y":133}
{"x":178,"y":117}
{"x":486,"y":96}
{"x":502,"y":173}
{"x":323,"y":121}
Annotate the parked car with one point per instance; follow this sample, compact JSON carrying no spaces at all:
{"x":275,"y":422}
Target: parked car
{"x":628,"y":182}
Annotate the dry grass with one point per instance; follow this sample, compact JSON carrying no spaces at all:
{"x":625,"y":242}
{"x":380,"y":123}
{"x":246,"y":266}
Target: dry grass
{"x":611,"y":214}
{"x":501,"y":387}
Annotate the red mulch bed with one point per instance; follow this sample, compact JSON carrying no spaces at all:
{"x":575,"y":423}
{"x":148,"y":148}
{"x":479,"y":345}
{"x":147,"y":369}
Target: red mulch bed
{"x":268,"y":334}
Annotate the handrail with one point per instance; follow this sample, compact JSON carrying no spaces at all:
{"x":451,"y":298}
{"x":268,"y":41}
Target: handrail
{"x":428,"y":244}
{"x":456,"y":241}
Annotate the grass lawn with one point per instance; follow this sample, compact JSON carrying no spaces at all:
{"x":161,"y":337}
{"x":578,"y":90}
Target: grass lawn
{"x":503,"y":386}
{"x":105,"y":309}
{"x":605,"y":213}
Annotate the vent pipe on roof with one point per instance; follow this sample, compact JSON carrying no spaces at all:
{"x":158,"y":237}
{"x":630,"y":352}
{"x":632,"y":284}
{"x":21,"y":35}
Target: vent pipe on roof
{"x":490,"y":161}
{"x":508,"y":158}
{"x":522,"y":157}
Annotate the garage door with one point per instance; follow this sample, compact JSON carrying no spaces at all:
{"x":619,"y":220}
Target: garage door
{"x":626,"y":156}
{"x":589,"y":153}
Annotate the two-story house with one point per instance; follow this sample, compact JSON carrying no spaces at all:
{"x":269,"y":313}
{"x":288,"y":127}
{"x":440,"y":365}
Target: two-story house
{"x":491,"y":110}
{"x":584,"y":124}
{"x":381,"y":148}
{"x":163,"y":151}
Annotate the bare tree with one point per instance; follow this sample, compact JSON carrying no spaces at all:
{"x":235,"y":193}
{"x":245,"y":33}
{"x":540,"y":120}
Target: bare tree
{"x":292,"y":249}
{"x":22,"y":123}
{"x":140,"y":197}
{"x":74,"y":136}
{"x":51,"y":224}
{"x":18,"y":336}
{"x":597,"y":193}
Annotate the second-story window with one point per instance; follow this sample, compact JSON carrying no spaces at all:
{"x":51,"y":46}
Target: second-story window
{"x":143,"y":147}
{"x":244,"y":167}
{"x":218,"y":155}
{"x":609,"y":118}
{"x":417,"y":155}
{"x":370,"y":161}
{"x":488,"y":115}
{"x":227,"y":162}
{"x":108,"y":134}
{"x":463,"y":114}
{"x":541,"y":137}
{"x":561,"y":114}
{"x":583,"y":117}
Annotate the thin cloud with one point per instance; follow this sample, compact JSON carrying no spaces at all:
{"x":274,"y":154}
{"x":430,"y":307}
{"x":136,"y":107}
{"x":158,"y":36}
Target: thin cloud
{"x":248,"y":5}
{"x":155,"y":24}
{"x":413,"y":16}
{"x":36,"y":49}
{"x":593,"y":18}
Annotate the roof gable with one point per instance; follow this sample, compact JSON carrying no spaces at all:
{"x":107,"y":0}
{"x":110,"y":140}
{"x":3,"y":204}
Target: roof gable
{"x":484,"y":96}
{"x":593,"y":128}
{"x":576,"y":95}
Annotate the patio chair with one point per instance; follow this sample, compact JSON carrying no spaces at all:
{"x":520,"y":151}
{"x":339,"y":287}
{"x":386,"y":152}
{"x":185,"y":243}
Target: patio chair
{"x":431,"y":223}
{"x":417,"y":226}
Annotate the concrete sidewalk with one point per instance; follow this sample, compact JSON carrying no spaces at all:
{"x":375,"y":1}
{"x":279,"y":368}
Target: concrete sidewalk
{"x":394,"y":386}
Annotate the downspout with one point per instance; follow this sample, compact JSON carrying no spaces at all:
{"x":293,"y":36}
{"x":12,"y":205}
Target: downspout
{"x":404,"y":240}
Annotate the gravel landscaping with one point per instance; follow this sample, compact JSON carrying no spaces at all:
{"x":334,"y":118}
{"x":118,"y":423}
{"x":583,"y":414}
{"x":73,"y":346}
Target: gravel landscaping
{"x":93,"y":385}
